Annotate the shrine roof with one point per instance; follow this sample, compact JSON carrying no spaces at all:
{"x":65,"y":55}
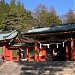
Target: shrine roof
{"x":52,"y":29}
{"x":6,"y":35}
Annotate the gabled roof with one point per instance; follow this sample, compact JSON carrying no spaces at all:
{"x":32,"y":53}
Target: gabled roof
{"x":53,"y":29}
{"x":7,"y":35}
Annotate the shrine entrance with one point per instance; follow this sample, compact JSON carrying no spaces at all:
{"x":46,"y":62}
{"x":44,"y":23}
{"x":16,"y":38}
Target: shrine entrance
{"x":41,"y":51}
{"x":46,"y":54}
{"x":59,"y":41}
{"x":56,"y":54}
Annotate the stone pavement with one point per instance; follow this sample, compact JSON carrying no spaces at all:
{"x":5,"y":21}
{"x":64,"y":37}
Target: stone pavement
{"x":9,"y":68}
{"x":1,"y":62}
{"x":38,"y":68}
{"x":48,"y":68}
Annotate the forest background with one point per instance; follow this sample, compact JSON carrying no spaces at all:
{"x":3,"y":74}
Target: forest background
{"x":15,"y":16}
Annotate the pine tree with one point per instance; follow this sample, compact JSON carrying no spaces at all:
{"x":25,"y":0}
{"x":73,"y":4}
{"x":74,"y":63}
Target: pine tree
{"x":12,"y":6}
{"x":4,"y":8}
{"x":2,"y":3}
{"x":19,"y":7}
{"x":24,"y":14}
{"x":53,"y":19}
{"x":45,"y":18}
{"x":11,"y":21}
{"x":18,"y":18}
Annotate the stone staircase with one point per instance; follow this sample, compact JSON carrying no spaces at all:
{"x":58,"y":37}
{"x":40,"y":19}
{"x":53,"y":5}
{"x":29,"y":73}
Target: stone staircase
{"x":48,"y":68}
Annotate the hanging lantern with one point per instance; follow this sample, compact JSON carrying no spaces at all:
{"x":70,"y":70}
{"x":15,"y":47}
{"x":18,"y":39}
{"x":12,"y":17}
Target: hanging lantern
{"x":63,"y":44}
{"x":57,"y":45}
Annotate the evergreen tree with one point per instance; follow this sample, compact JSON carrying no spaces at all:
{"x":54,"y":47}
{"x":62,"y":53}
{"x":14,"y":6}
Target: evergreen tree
{"x":4,"y":8}
{"x":18,"y":18}
{"x":12,"y":6}
{"x":19,"y":7}
{"x":25,"y":15}
{"x":45,"y":18}
{"x":11,"y":21}
{"x":40,"y":16}
{"x":2,"y":3}
{"x":53,"y":19}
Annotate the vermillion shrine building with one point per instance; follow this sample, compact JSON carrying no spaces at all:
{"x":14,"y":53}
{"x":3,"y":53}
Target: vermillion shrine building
{"x":54,"y":43}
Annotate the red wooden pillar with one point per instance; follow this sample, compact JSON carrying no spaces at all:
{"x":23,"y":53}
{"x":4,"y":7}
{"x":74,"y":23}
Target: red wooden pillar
{"x":67,"y":53}
{"x":27,"y":53}
{"x":4,"y":49}
{"x":35,"y":52}
{"x":44,"y":52}
{"x":17,"y":55}
{"x":8,"y":54}
{"x":11,"y":55}
{"x":42,"y":55}
{"x":29,"y":59}
{"x":72,"y":50}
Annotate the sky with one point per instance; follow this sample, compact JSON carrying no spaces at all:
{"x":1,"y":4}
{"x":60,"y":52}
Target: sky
{"x":61,"y":6}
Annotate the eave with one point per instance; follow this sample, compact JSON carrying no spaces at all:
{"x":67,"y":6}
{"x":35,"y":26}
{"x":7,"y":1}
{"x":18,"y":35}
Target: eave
{"x":33,"y":35}
{"x":22,"y":45}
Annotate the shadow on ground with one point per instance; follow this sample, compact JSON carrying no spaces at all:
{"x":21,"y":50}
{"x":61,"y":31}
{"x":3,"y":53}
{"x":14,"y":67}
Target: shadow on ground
{"x":43,"y":68}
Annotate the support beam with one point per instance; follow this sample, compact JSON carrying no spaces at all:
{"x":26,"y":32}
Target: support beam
{"x":4,"y":48}
{"x":28,"y":54}
{"x":36,"y":54}
{"x":72,"y":50}
{"x":11,"y":55}
{"x":17,"y":56}
{"x":67,"y":57}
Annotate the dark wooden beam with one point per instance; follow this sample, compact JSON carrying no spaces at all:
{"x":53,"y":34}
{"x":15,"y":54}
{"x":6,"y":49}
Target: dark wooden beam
{"x":52,"y":40}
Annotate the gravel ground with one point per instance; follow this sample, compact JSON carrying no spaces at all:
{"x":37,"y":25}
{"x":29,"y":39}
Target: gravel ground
{"x":37,"y":68}
{"x":9,"y":68}
{"x":1,"y":61}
